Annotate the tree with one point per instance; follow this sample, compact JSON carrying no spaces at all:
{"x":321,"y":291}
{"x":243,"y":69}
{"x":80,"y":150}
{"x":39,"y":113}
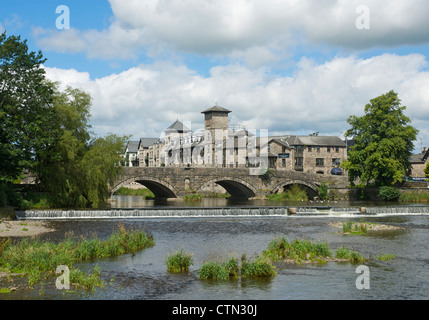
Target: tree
{"x":25,"y":106}
{"x":383,"y":143}
{"x":47,"y":132}
{"x":76,"y":169}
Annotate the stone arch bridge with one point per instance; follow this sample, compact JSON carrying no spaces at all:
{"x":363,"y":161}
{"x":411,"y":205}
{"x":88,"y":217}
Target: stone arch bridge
{"x":176,"y":182}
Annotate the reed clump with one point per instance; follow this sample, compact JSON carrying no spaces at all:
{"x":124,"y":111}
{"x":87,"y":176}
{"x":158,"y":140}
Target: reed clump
{"x":297,"y":250}
{"x":258,"y":267}
{"x":179,"y":261}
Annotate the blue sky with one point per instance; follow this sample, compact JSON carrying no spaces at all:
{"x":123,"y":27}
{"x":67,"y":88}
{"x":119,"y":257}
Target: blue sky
{"x":292,"y":67}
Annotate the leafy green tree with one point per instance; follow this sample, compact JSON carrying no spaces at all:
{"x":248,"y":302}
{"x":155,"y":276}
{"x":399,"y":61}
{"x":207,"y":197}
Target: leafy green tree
{"x":76,"y":169}
{"x":25,"y":107}
{"x":383,"y":143}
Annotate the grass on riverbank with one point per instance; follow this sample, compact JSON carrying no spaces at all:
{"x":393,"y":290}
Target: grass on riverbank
{"x":414,"y":196}
{"x":38,"y":260}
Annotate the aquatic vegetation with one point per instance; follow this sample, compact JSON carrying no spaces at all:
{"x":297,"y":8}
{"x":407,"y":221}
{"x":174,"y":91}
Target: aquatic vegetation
{"x":38,"y":259}
{"x":259,"y":267}
{"x":386,"y":257}
{"x":298,"y":250}
{"x":355,"y":228}
{"x":180,"y":261}
{"x":352,"y":256}
{"x":293,"y":193}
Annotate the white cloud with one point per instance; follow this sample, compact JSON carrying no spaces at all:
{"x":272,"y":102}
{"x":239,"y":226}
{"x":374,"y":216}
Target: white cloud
{"x":144,"y":100}
{"x":242,"y":28}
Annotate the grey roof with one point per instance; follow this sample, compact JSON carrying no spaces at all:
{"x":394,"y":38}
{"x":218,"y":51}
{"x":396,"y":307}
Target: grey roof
{"x":132,"y":146}
{"x":329,"y":141}
{"x":178,"y":126}
{"x":420,"y":157}
{"x":147,"y":142}
{"x":216,"y":109}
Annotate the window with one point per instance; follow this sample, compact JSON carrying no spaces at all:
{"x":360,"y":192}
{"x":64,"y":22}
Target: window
{"x":298,"y":161}
{"x":337,"y":149}
{"x":328,"y":149}
{"x":309,"y":149}
{"x":336,"y":162}
{"x":283,"y":163}
{"x":318,"y":149}
{"x":320,"y":162}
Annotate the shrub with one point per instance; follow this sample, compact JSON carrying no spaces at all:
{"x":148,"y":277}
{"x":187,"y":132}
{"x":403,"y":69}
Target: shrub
{"x":389,"y":193}
{"x":323,"y":191}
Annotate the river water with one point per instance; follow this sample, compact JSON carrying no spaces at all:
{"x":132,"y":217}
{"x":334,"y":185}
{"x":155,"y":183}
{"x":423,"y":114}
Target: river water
{"x":143,"y":276}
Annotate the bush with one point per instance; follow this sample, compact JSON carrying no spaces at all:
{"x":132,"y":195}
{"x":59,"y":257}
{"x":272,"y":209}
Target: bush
{"x":323,"y":191}
{"x":389,"y":193}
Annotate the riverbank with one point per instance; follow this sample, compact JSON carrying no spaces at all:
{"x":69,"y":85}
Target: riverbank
{"x":15,"y":228}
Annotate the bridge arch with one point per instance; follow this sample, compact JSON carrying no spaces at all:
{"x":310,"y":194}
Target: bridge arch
{"x":236,"y":187}
{"x":310,"y":188}
{"x":160,"y":188}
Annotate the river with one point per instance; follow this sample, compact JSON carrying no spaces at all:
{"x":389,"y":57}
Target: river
{"x":143,"y":276}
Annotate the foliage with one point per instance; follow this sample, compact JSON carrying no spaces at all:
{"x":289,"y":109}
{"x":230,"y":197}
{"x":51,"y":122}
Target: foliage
{"x":145,"y":193}
{"x":193,"y":197}
{"x":293,"y":193}
{"x":386,"y":257}
{"x":280,"y":248}
{"x":180,"y":261}
{"x":356,"y":228}
{"x":426,"y":171}
{"x":47,"y":132}
{"x":388,"y":193}
{"x":36,"y":259}
{"x":323,"y":191}
{"x":25,"y":107}
{"x":383,"y":142}
{"x":213,"y":270}
{"x":353,"y":256}
{"x":259,"y":267}
{"x":414,"y":196}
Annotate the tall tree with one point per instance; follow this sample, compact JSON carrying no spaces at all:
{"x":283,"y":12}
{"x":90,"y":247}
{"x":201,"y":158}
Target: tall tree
{"x":25,"y":106}
{"x":383,"y":142}
{"x":77,"y":168}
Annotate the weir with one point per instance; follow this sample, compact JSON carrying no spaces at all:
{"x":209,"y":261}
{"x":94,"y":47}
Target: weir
{"x":165,"y":212}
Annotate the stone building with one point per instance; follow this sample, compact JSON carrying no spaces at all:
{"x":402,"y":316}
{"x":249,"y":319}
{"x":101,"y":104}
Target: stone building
{"x":220,"y":145}
{"x":419,"y":162}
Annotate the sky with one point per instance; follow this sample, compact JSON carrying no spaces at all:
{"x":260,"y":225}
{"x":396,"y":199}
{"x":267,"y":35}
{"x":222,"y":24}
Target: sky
{"x":287,"y":66}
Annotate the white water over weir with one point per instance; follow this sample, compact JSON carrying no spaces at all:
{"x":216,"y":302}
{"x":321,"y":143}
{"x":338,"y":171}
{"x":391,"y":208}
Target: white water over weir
{"x":219,"y":212}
